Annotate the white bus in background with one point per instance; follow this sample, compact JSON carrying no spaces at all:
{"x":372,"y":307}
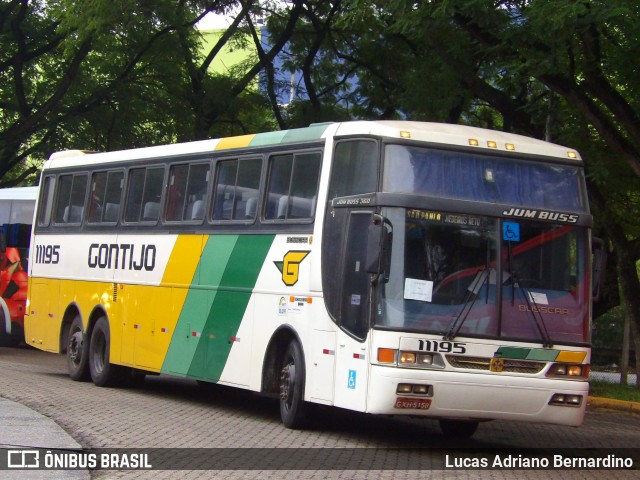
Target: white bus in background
{"x":16,"y":216}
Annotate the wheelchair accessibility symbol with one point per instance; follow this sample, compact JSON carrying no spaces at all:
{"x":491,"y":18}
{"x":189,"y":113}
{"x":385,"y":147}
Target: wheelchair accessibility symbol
{"x":352,"y":380}
{"x":511,"y":231}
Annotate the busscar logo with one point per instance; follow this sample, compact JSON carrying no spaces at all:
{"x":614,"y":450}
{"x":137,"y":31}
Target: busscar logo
{"x":290,"y":266}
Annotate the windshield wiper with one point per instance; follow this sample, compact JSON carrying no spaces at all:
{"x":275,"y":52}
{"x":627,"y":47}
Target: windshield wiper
{"x":532,"y":307}
{"x":474,"y":288}
{"x":538,"y":319}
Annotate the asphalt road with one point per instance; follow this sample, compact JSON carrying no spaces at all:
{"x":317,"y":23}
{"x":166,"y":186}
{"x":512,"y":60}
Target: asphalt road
{"x":171,"y":413}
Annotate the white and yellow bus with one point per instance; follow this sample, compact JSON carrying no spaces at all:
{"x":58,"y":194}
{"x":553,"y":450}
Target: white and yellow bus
{"x":388,"y":267}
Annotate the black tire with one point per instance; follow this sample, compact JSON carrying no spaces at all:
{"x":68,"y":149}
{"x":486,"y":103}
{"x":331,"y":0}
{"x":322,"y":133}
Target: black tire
{"x":293,"y":408}
{"x":15,"y":338}
{"x":78,"y":352}
{"x":458,"y":429}
{"x":103,"y":373}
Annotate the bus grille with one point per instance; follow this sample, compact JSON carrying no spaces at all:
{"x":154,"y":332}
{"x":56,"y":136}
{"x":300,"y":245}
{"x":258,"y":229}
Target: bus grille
{"x":484,"y":363}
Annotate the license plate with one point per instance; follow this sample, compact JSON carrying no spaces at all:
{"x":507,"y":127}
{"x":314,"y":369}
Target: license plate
{"x":414,"y":403}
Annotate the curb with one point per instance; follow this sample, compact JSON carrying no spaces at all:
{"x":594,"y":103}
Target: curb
{"x":610,"y":403}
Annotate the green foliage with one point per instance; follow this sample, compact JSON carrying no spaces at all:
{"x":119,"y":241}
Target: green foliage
{"x":629,"y":393}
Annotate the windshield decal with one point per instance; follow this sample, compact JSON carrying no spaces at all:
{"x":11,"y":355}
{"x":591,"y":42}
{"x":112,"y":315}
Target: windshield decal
{"x":511,"y":231}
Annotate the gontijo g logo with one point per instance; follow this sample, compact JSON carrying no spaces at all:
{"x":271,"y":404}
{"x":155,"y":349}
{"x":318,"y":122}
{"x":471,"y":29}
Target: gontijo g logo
{"x":290,"y":266}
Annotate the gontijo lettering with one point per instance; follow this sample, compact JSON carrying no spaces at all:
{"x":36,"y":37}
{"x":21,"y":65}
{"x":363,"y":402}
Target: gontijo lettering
{"x":123,"y":256}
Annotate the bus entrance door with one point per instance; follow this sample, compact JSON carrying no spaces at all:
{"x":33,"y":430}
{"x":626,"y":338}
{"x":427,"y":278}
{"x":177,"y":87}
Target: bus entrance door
{"x":355,"y":311}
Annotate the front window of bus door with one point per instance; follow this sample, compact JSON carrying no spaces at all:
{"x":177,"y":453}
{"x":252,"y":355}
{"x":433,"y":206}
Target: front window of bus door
{"x":442,"y":274}
{"x":356,"y":285}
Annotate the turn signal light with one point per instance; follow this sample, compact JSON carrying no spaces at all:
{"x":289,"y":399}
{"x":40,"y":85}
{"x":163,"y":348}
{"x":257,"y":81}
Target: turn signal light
{"x":387,"y":355}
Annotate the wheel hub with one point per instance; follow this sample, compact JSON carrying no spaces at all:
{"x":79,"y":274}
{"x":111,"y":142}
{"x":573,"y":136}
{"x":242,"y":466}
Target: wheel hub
{"x":75,"y":346}
{"x":287,"y":373}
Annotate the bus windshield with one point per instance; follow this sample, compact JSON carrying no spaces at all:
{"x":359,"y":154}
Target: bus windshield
{"x":483,"y":178}
{"x":445,"y":270}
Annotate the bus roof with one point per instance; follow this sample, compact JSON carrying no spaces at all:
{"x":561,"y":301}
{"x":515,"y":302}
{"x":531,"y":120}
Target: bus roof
{"x":19,"y":193}
{"x":434,"y":133}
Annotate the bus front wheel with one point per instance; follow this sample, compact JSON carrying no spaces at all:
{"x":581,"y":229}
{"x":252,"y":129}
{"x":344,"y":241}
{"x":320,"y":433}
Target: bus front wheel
{"x":77,"y":351}
{"x":292,"y":405}
{"x":103,"y":373}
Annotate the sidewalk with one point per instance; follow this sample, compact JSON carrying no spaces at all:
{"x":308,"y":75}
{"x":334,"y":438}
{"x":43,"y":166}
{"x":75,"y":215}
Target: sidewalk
{"x":21,"y":429}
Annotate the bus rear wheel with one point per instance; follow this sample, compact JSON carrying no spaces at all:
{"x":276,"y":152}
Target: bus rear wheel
{"x":77,"y":351}
{"x":103,"y":373}
{"x":293,"y":408}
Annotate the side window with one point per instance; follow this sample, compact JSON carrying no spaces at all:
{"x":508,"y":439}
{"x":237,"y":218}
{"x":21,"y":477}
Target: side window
{"x":237,"y":186}
{"x":355,"y":168}
{"x":293,"y":186}
{"x":46,"y":201}
{"x":186,"y":192}
{"x":71,"y":193}
{"x":104,"y":201}
{"x":144,"y":192}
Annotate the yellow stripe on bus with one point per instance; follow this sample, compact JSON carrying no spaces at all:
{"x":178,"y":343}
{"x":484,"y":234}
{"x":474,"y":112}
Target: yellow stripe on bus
{"x":234,"y":142}
{"x":153,"y":328}
{"x":184,"y":260}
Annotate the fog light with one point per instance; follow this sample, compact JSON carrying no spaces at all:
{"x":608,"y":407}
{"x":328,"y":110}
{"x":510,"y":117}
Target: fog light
{"x":566,"y":400}
{"x":404,"y":388}
{"x":574,"y":400}
{"x":421,"y":389}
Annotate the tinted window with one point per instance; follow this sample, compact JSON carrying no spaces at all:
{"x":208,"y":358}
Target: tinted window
{"x":293,"y":186}
{"x":104,"y":201}
{"x":355,"y":168}
{"x":186,"y":192}
{"x":46,"y":201}
{"x":70,"y":199}
{"x":144,"y":192}
{"x":237,"y":187}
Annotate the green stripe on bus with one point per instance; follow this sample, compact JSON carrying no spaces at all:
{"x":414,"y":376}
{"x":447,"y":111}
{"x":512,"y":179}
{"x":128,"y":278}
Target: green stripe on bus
{"x":543,"y":354}
{"x":311,"y":133}
{"x":527,"y":353}
{"x":512,"y":352}
{"x":191,"y":322}
{"x":270,"y":138}
{"x":229,"y":305}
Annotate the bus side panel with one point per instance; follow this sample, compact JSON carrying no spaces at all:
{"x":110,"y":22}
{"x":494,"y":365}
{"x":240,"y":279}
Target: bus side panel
{"x":149,"y":314}
{"x":197,"y":303}
{"x":228,"y":271}
{"x":42,"y":325}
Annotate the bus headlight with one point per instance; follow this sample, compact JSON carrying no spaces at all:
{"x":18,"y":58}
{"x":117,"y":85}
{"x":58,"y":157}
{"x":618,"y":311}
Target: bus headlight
{"x":408,"y":357}
{"x":564,"y":370}
{"x":425,"y":359}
